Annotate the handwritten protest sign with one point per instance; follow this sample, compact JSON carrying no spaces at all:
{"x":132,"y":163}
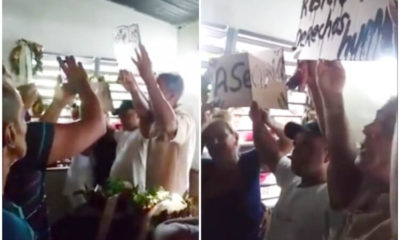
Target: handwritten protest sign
{"x":126,"y":41}
{"x":267,"y":75}
{"x":240,"y":78}
{"x":231,"y":86}
{"x":346,"y":30}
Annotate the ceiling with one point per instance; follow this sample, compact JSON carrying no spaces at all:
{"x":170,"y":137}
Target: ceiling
{"x":176,"y":12}
{"x":278,"y":19}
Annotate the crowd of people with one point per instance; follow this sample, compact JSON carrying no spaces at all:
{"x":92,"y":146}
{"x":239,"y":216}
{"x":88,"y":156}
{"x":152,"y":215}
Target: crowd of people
{"x":329,"y":188}
{"x":154,"y":149}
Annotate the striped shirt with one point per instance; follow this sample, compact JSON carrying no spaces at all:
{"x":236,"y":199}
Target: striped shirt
{"x":25,"y":183}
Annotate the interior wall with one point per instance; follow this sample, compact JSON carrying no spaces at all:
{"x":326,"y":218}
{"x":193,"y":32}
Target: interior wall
{"x":369,"y":85}
{"x":189,"y":68}
{"x":273,"y":18}
{"x":84,"y":28}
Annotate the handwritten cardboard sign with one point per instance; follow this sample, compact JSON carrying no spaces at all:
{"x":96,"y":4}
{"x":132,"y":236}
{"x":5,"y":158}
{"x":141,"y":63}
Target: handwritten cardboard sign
{"x":231,"y":86}
{"x":240,"y":78}
{"x":126,"y":41}
{"x":346,"y":30}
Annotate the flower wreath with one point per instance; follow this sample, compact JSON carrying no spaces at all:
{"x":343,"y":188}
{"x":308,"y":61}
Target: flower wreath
{"x":35,"y":49}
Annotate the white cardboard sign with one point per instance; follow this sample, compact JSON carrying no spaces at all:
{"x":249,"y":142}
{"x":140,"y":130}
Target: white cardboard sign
{"x":346,"y":30}
{"x":126,"y":41}
{"x":240,"y":78}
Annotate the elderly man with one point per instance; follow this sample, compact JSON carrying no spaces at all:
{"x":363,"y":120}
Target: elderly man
{"x":14,"y":148}
{"x":47,"y":143}
{"x":170,"y":130}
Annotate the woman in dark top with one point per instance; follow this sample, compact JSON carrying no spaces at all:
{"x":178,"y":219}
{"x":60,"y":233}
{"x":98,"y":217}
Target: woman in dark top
{"x":231,"y":203}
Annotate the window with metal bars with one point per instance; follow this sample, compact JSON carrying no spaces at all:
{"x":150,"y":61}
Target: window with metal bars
{"x":46,"y":80}
{"x":217,"y":40}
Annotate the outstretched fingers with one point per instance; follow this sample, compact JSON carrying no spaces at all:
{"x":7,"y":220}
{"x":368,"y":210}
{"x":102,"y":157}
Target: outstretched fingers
{"x":62,"y":64}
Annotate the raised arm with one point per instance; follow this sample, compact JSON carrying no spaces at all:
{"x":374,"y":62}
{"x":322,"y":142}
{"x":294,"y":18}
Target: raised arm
{"x":63,"y":95}
{"x":162,"y":111}
{"x":308,"y":71}
{"x":284,"y":143}
{"x":74,"y":138}
{"x":344,"y":178}
{"x":141,"y":103}
{"x":268,"y":147}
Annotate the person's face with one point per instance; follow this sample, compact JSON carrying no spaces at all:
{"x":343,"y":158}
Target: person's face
{"x":15,"y":133}
{"x":309,"y":155}
{"x":221,"y":143}
{"x":376,"y":149}
{"x":129,"y":119}
{"x":171,"y":97}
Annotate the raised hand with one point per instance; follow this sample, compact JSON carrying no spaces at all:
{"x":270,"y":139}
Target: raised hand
{"x":330,"y":77}
{"x":143,"y":63}
{"x":256,"y":114}
{"x":309,"y":68}
{"x":264,"y":141}
{"x":261,"y":116}
{"x":64,"y":94}
{"x":127,"y":80}
{"x":76,"y":74}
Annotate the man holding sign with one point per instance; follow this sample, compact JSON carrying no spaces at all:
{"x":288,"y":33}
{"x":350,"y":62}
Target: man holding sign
{"x":171,"y":131}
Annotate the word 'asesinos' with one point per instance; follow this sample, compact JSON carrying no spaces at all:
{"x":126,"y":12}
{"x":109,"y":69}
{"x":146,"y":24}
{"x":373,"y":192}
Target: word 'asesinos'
{"x":259,"y":78}
{"x":239,"y":74}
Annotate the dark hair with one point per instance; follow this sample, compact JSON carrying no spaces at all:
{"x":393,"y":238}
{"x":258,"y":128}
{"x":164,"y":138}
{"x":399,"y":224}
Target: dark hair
{"x":173,"y":82}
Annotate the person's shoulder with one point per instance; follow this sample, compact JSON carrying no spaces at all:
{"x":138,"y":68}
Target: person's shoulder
{"x":39,"y":124}
{"x":320,"y":192}
{"x":40,"y":129}
{"x":39,"y":140}
{"x":16,"y":228}
{"x":206,"y":163}
{"x":182,"y":112}
{"x":249,"y":159}
{"x":250,"y":155}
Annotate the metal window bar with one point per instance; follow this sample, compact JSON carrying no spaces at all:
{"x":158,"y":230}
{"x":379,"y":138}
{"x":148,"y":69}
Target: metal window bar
{"x":256,"y":41}
{"x":46,"y":80}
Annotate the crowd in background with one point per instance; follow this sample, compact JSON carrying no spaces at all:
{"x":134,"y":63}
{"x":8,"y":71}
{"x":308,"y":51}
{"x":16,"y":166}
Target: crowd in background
{"x":154,"y":149}
{"x":330,"y":189}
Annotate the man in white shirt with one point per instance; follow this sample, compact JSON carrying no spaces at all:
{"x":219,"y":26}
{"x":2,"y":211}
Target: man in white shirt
{"x":131,"y":154}
{"x":170,"y":130}
{"x":303,"y":210}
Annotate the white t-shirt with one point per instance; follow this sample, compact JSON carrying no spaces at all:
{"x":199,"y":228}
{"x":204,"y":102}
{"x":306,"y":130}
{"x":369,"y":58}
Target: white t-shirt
{"x":302,"y":213}
{"x":169,"y":161}
{"x":130,"y":160}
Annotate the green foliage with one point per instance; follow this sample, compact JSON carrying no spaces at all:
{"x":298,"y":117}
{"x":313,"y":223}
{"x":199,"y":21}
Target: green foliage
{"x":115,"y":186}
